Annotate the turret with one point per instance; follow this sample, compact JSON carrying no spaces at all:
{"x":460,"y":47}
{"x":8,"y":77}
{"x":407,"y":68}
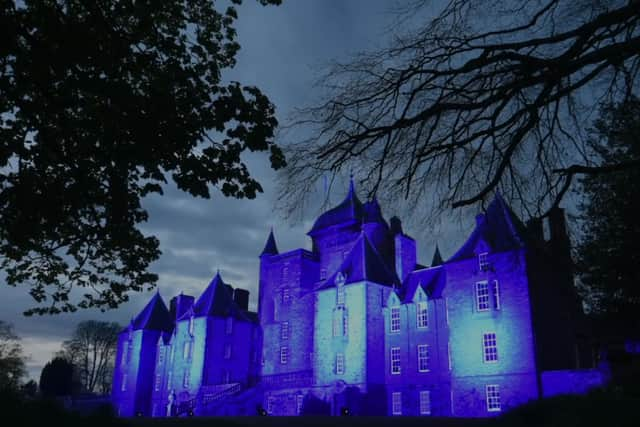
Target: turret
{"x":404,"y":250}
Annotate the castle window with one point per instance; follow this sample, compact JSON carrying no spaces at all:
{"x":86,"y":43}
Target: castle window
{"x":449,"y":355}
{"x":422,"y":314}
{"x":490,"y":347}
{"x":493,"y":398}
{"x":284,"y":331}
{"x":229,"y":325}
{"x":125,"y":354}
{"x":340,"y":363}
{"x":284,"y":355}
{"x":285,"y":274}
{"x":340,"y":295}
{"x":323,"y":274}
{"x":161,"y":351}
{"x":169,"y":378}
{"x":227,"y":351}
{"x":425,"y":402}
{"x":172,"y":353}
{"x":286,"y":296}
{"x":185,"y":379}
{"x":395,"y":319}
{"x":395,"y":360}
{"x":340,"y":322}
{"x":495,"y":294}
{"x":299,"y":403}
{"x":270,"y":401}
{"x":446,"y":311}
{"x":187,"y":350}
{"x":396,"y":403}
{"x":191,"y":325}
{"x":158,"y":382}
{"x":423,"y":358}
{"x":482,"y":296}
{"x":123,"y":385}
{"x":483,"y":261}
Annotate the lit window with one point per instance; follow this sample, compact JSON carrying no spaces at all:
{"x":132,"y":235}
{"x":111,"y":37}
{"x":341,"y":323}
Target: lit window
{"x":422,"y":314}
{"x":482,"y":296}
{"x":395,"y":319}
{"x":191,"y":325}
{"x":483,"y":261}
{"x":425,"y":402}
{"x":123,"y":386}
{"x":158,"y":382}
{"x":396,"y":403}
{"x":169,"y":378}
{"x":229,"y":325}
{"x":495,"y":294}
{"x":340,"y":323}
{"x":185,"y":379}
{"x":299,"y":403}
{"x":490,"y":347}
{"x":187,"y":350}
{"x":284,"y":331}
{"x":284,"y":355}
{"x":423,"y":358}
{"x":493,"y":398}
{"x":340,"y":363}
{"x":270,"y":401}
{"x":395,"y":360}
{"x":227,"y":351}
{"x":161,"y":351}
{"x":286,"y":296}
{"x":340,"y":298}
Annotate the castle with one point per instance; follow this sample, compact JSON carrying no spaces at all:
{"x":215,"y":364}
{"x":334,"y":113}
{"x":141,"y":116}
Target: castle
{"x":358,"y":326}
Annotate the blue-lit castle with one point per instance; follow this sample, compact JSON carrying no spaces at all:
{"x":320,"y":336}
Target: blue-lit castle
{"x":357,"y":326}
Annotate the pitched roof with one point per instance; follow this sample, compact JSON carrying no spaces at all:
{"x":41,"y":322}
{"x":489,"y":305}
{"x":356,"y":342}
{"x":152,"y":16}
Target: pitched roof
{"x":216,"y":300}
{"x":363,"y":263}
{"x":437,"y":258}
{"x":270,"y":247}
{"x":351,"y":209}
{"x":498,"y":227}
{"x":432,"y":281}
{"x":155,"y":316}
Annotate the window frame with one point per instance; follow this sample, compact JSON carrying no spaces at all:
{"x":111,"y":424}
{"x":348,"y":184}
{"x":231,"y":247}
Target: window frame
{"x":394,"y":320}
{"x":482,"y":296}
{"x":422,"y":403}
{"x":284,"y":355}
{"x":494,"y":292}
{"x":492,"y":394}
{"x":424,"y":357}
{"x":490,"y":347}
{"x":284,"y":330}
{"x":422,"y":315}
{"x":483,"y":261}
{"x":227,"y":351}
{"x":395,"y":360}
{"x":339,"y":364}
{"x":396,"y":403}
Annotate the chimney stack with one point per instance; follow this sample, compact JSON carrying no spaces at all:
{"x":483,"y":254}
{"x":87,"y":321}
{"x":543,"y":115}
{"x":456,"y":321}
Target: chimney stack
{"x":180,"y":305}
{"x":241,"y":298}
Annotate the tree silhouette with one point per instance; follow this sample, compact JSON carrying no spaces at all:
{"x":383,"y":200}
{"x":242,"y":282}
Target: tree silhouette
{"x":608,"y":253}
{"x":91,"y":350}
{"x":56,"y":378}
{"x":12,"y":359}
{"x":99,"y":103}
{"x":487,"y":95}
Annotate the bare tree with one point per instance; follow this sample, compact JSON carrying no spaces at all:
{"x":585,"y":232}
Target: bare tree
{"x":91,"y":350}
{"x":487,"y":95}
{"x":12,"y":358}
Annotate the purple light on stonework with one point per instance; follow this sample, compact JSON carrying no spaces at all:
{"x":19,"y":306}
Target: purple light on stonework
{"x":358,"y":326}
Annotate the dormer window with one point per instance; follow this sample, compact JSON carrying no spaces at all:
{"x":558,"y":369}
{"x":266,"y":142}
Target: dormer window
{"x":483,"y":261}
{"x":422,"y":314}
{"x":395,"y":319}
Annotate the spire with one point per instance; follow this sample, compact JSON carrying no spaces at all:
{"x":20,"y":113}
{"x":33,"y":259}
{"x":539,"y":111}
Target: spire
{"x":437,"y":258}
{"x":155,"y":316}
{"x":270,"y":247}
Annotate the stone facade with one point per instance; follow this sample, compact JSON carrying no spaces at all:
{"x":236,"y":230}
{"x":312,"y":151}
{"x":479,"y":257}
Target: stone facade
{"x":358,"y":326}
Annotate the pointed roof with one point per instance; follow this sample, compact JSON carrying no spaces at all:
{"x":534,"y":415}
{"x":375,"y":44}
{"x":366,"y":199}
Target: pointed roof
{"x":270,"y":247}
{"x":437,"y":258}
{"x":499,"y":228}
{"x":155,"y":316}
{"x":432,"y":281}
{"x":351,"y":209}
{"x":363,"y":263}
{"x":373,"y":213}
{"x":216,"y":300}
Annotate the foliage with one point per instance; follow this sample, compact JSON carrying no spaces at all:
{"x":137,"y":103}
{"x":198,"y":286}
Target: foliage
{"x":92,"y":350}
{"x":100,"y":101}
{"x":485,"y":96}
{"x":56,"y":378}
{"x":608,"y":253}
{"x":12,"y":359}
